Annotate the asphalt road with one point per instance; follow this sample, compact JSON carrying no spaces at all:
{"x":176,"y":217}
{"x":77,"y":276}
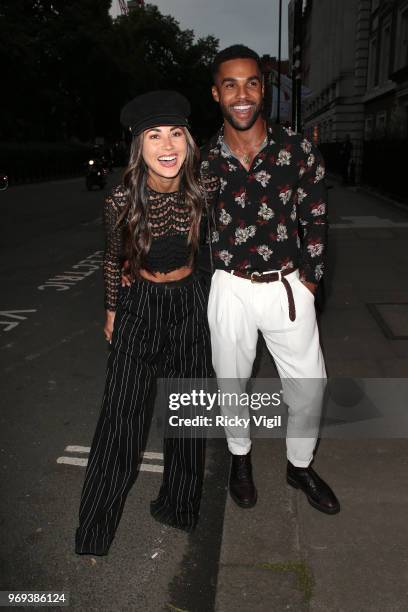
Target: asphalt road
{"x":52,"y":362}
{"x":53,"y":356}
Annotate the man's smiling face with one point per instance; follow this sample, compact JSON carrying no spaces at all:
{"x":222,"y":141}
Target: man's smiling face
{"x":238,"y":90}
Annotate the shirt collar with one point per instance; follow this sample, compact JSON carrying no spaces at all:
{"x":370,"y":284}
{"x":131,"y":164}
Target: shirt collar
{"x":224,"y":149}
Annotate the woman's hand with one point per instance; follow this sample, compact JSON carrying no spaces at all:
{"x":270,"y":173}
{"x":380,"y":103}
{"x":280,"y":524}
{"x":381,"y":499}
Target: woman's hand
{"x":311,"y":286}
{"x":108,"y":327}
{"x":126,"y":278}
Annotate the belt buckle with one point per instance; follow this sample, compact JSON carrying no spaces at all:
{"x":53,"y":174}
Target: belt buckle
{"x":254,"y":274}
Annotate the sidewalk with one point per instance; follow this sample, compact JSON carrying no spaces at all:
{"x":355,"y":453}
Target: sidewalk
{"x":371,"y":192}
{"x":283,"y":554}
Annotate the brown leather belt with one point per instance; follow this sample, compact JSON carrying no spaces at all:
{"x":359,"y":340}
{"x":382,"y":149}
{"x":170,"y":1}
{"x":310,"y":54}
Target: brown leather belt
{"x":270,"y":277}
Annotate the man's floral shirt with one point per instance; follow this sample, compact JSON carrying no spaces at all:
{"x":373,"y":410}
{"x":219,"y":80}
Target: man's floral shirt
{"x":272,"y":217}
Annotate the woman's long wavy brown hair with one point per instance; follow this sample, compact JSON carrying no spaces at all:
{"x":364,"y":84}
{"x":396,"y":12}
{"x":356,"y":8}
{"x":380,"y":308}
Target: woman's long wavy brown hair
{"x":138,"y":234}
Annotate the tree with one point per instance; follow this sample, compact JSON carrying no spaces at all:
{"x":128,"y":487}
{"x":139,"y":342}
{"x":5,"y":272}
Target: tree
{"x":68,"y":67}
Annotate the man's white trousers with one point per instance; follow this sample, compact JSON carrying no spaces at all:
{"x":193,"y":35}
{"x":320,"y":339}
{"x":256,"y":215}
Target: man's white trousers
{"x":237,"y":309}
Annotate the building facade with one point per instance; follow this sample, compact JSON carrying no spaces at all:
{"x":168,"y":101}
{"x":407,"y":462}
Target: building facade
{"x":334,"y":65}
{"x":355,"y":61}
{"x":386,"y":97}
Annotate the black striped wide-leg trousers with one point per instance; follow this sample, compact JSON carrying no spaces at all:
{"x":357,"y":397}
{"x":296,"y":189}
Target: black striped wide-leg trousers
{"x":159,"y":328}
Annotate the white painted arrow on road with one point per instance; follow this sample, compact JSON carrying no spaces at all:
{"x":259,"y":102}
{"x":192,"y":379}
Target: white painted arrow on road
{"x":13,"y":314}
{"x":9,"y":325}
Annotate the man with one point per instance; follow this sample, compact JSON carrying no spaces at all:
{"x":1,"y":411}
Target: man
{"x":268,"y":248}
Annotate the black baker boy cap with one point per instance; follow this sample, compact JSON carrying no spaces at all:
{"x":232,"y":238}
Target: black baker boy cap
{"x":163,"y":107}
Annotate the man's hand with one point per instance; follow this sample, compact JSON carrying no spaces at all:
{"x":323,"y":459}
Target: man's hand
{"x":311,"y":286}
{"x":108,"y":327}
{"x":126,"y":278}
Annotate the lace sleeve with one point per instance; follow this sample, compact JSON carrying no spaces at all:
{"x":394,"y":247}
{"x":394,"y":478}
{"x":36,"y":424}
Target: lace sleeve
{"x":113,"y":208}
{"x":211,"y":186}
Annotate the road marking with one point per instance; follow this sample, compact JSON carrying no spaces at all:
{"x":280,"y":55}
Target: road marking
{"x":10,"y":319}
{"x":367,"y":222}
{"x":83,"y":462}
{"x":148,"y":455}
{"x":150,"y":467}
{"x":69,"y":278}
{"x":53,"y":346}
{"x":13,"y":314}
{"x":86,"y":449}
{"x":77,"y":449}
{"x":73,"y":461}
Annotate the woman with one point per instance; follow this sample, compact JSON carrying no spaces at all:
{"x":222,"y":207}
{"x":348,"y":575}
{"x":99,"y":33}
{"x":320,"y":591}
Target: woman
{"x":158,"y":324}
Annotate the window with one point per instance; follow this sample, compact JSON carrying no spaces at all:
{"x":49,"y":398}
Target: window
{"x":402,"y":44}
{"x":380,"y":123}
{"x":372,"y":67}
{"x":385,"y":53}
{"x":368,"y":127}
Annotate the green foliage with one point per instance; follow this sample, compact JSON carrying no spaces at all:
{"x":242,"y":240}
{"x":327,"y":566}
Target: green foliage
{"x":68,"y":67}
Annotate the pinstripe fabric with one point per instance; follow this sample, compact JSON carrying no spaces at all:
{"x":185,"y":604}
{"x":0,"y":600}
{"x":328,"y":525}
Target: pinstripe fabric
{"x":159,"y":329}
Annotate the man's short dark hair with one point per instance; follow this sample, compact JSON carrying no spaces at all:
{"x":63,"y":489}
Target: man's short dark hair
{"x":231,"y":53}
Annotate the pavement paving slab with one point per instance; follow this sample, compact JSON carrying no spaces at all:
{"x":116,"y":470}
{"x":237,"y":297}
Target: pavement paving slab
{"x":261,"y":565}
{"x":358,"y":557}
{"x":355,"y":561}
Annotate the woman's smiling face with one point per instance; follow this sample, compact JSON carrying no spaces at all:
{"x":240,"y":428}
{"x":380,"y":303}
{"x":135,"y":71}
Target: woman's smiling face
{"x":164,"y":151}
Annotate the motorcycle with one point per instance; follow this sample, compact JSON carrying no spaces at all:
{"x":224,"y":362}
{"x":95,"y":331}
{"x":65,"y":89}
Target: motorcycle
{"x":3,"y":181}
{"x":96,"y":174}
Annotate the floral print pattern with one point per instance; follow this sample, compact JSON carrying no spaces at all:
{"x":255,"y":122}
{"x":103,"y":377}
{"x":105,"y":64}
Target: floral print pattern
{"x":284,"y":158}
{"x":263,"y":177}
{"x":265,"y":212}
{"x":272,"y":216}
{"x":285,"y":194}
{"x":243,"y":233}
{"x":225,"y":256}
{"x":264,"y":251}
{"x":225,"y":218}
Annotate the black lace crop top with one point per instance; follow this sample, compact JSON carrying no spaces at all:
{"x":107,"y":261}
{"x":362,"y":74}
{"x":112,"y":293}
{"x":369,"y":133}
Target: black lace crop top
{"x":170,"y":223}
